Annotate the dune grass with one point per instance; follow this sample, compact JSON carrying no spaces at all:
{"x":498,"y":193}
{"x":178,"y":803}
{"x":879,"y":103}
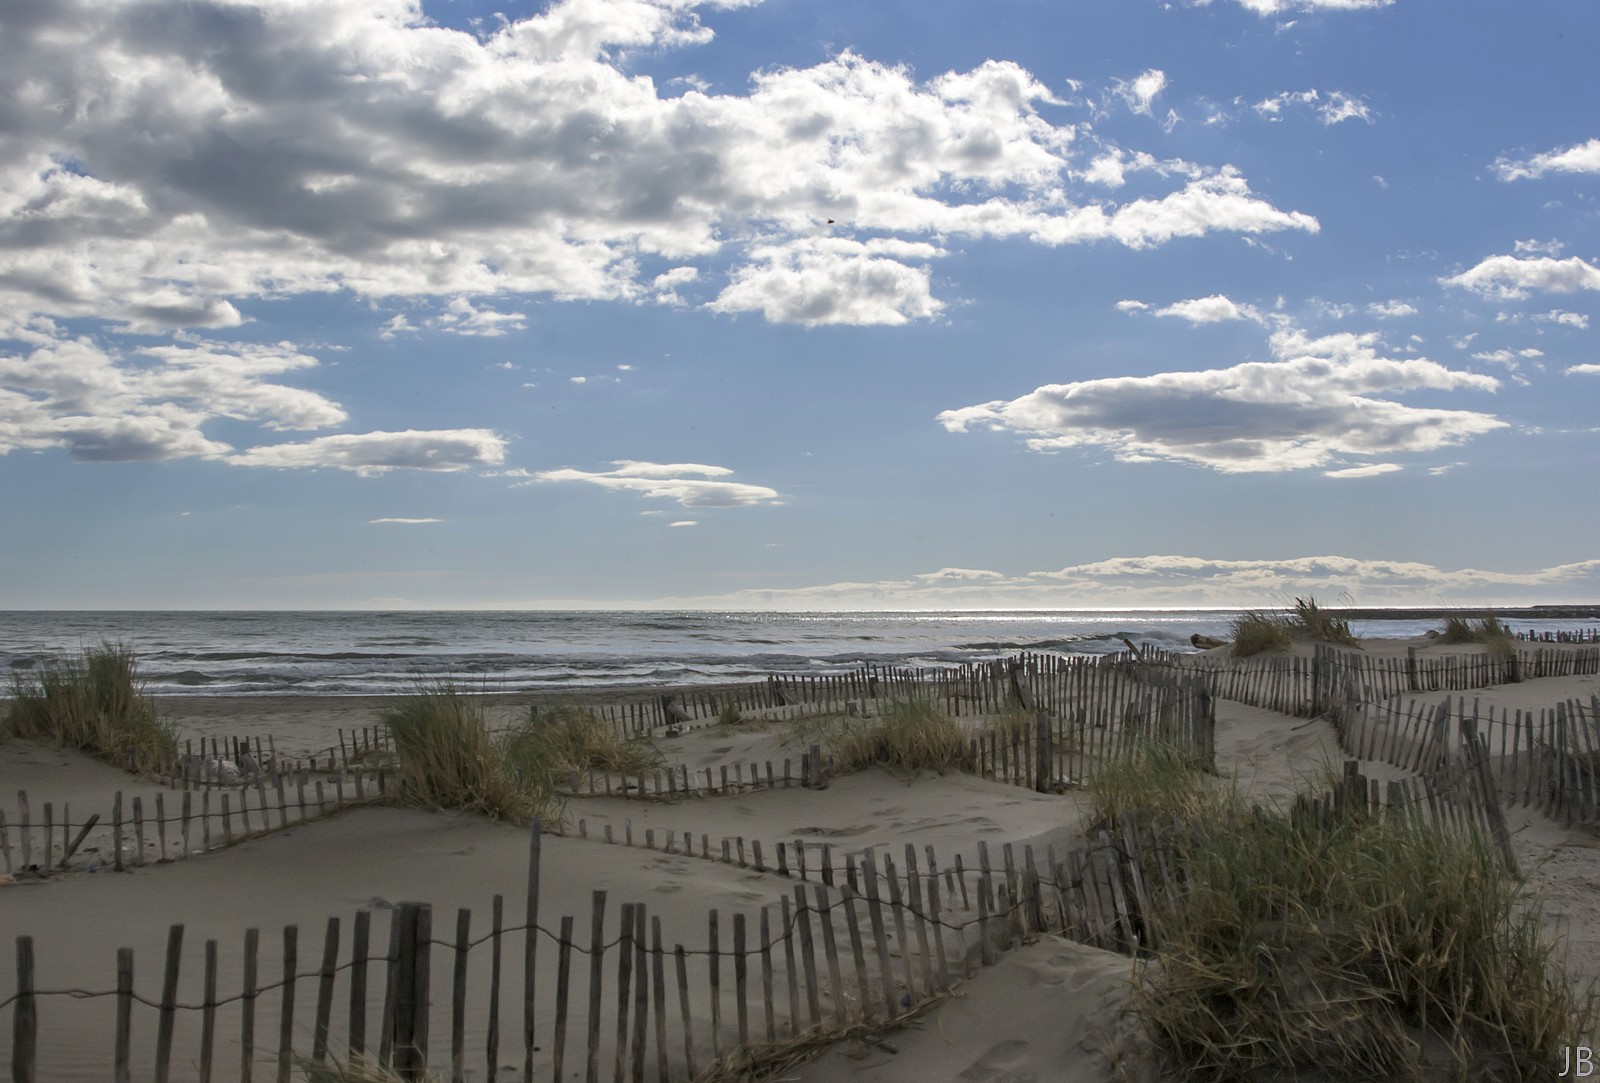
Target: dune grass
{"x":93,"y":702}
{"x":1258,"y":632}
{"x":1486,"y":630}
{"x":571,"y":737}
{"x":909,"y":734}
{"x":1156,"y":784}
{"x":1368,"y":949}
{"x":448,"y":758}
{"x":1310,"y":620}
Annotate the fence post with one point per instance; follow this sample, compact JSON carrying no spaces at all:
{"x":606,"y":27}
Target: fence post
{"x":411,"y":991}
{"x":24,"y":1016}
{"x":1044,"y":773}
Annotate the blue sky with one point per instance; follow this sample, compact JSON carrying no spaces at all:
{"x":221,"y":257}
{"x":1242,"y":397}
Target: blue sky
{"x":784,"y":304}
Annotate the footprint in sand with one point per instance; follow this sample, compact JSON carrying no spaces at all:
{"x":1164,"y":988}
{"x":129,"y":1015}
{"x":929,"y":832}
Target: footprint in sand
{"x":1002,"y":1063}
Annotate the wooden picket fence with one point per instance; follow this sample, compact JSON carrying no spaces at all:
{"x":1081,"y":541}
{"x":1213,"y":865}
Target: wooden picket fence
{"x":1098,"y":713}
{"x":273,"y":800}
{"x":829,"y":942}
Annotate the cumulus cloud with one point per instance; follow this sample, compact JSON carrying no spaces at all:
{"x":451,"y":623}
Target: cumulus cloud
{"x":833,"y":280}
{"x":1161,"y":581}
{"x":691,"y":484}
{"x":381,"y":154}
{"x":1565,"y":319}
{"x":1141,"y":91}
{"x":1583,"y":370}
{"x":1214,"y":309}
{"x":1389,"y":310}
{"x":72,"y":393}
{"x":1579,"y":158}
{"x":373,"y":453}
{"x":1509,"y":278}
{"x":462,"y":317}
{"x":1322,"y":400}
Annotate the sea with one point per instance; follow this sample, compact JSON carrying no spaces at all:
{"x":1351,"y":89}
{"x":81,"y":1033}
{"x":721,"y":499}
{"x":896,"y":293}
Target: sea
{"x":347,"y":653}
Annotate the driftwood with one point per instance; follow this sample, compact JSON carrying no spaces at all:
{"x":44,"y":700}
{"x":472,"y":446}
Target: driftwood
{"x":673,"y":710}
{"x":1205,"y":643}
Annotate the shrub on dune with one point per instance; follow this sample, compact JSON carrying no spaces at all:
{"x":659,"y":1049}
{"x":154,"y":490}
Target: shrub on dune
{"x":448,"y":758}
{"x":94,"y":703}
{"x":1364,"y":948}
{"x":1257,"y":633}
{"x":570,"y":737}
{"x":1486,"y":630}
{"x":909,"y":735}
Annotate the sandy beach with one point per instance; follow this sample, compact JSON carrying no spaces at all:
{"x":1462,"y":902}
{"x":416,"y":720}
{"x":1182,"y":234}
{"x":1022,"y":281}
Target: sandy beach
{"x":1003,"y":1022}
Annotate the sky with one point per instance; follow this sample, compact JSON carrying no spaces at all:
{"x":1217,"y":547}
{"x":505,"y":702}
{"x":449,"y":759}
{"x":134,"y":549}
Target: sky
{"x":798,"y":304}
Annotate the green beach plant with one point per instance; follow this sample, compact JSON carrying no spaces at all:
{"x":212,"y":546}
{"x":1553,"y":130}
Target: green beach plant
{"x":909,"y":734}
{"x":1310,"y":620}
{"x":1363,"y":947}
{"x":1257,"y":633}
{"x":571,"y":737}
{"x":448,"y":758}
{"x":1156,"y":783}
{"x":1486,"y":630}
{"x":94,"y":703}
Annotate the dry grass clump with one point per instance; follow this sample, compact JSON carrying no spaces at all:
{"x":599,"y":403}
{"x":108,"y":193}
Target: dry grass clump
{"x":1486,"y":630}
{"x":1313,"y":622}
{"x":1364,"y":949}
{"x":449,"y":759}
{"x":1157,"y":783}
{"x":571,"y":737}
{"x":94,"y":702}
{"x":908,"y":735}
{"x":1257,"y":632}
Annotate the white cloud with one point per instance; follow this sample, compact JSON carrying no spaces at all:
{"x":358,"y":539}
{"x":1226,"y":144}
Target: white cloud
{"x":1265,"y":8}
{"x":1388,"y":310}
{"x":1534,"y":247}
{"x":1131,"y":306}
{"x":395,"y":158}
{"x":684,"y":522}
{"x":373,"y":453}
{"x":1579,"y":158}
{"x":405,"y":522}
{"x":1324,"y":399}
{"x":462,"y":317}
{"x":1331,"y":108}
{"x":691,"y":484}
{"x":1187,"y":581}
{"x":1566,"y":319}
{"x":1214,"y":309}
{"x":1371,"y":471}
{"x":1510,"y":278}
{"x":1141,"y":91}
{"x":1511,"y":359}
{"x":833,"y":280}
{"x":1583,"y":370}
{"x":72,"y":393}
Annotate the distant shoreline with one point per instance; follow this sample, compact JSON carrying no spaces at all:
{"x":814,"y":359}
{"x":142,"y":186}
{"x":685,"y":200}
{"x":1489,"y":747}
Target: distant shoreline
{"x":1526,"y":612}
